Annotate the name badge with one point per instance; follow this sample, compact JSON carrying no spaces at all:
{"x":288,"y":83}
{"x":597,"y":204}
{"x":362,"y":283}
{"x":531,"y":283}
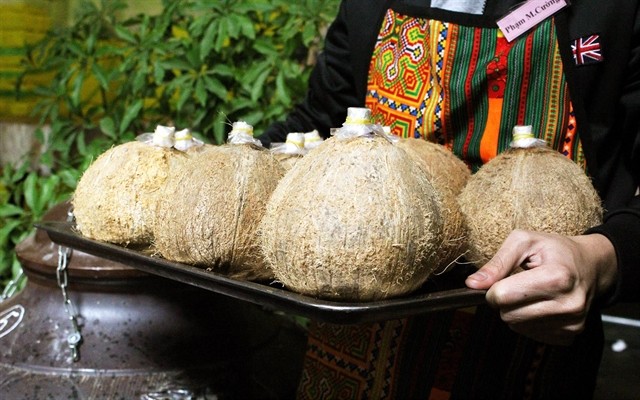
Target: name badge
{"x":528,"y":15}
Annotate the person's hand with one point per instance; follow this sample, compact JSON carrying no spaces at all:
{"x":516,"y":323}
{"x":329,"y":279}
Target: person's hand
{"x":549,"y":299}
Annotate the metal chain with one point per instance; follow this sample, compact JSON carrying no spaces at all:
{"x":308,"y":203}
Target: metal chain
{"x":12,"y":286}
{"x":74,"y":338}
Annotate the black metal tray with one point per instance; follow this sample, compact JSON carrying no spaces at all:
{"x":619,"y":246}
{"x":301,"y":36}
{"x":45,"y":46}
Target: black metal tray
{"x":444,"y":292}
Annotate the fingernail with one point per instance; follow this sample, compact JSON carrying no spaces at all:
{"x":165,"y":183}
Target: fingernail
{"x":478,"y":276}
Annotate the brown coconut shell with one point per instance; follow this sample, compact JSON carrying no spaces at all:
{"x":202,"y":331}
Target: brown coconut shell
{"x":116,"y":197}
{"x":535,"y":189}
{"x":211,"y":207}
{"x":449,"y":175}
{"x":352,"y":220}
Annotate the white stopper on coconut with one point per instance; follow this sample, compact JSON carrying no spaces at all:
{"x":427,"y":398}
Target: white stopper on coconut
{"x":358,"y":124}
{"x":242,"y":133}
{"x":164,"y":136}
{"x":295,"y":140}
{"x":184,"y":140}
{"x":312,"y":140}
{"x":523,"y":138}
{"x":294,"y":145}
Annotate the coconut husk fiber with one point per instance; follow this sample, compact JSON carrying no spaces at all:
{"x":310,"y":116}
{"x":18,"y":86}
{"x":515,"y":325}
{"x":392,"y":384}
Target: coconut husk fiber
{"x":535,"y":189}
{"x":116,"y":197}
{"x":287,"y":160}
{"x":352,"y":221}
{"x":446,"y":170}
{"x":449,"y":175}
{"x":210,"y":209}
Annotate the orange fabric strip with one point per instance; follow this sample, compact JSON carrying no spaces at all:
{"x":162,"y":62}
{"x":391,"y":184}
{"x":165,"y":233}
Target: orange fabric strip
{"x":489,"y":142}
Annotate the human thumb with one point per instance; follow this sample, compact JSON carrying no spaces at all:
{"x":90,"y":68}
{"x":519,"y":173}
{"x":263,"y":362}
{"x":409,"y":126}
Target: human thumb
{"x":485,"y":277}
{"x":508,"y":257}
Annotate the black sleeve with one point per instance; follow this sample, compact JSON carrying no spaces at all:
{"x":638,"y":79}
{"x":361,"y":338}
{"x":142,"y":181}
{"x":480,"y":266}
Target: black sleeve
{"x":622,"y":228}
{"x":622,"y":217}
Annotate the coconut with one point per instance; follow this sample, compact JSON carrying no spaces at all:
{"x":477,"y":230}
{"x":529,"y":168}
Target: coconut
{"x":449,"y":175}
{"x":353,"y":220}
{"x":529,"y":187}
{"x":210,"y":208}
{"x":115,"y":199}
{"x":446,"y":170}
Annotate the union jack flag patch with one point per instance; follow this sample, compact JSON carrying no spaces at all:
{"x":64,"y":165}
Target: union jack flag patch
{"x":587,"y":50}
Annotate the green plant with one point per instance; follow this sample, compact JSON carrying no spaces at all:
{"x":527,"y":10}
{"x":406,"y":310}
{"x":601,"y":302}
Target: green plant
{"x":25,"y":196}
{"x":198,"y":64}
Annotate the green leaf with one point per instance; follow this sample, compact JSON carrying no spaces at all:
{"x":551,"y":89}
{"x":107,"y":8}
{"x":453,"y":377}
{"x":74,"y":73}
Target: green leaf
{"x":75,"y":49}
{"x":175,"y":63}
{"x":232,"y":25}
{"x":193,"y":57}
{"x":265,"y":47}
{"x":77,"y":89}
{"x":47,"y":193}
{"x":206,"y":45}
{"x":200,"y":92}
{"x":69,"y":178}
{"x":158,"y":72}
{"x":81,"y":144}
{"x":220,"y":37}
{"x":221,"y":70}
{"x":185,"y":94}
{"x":98,"y":73}
{"x":246,"y":26}
{"x":215,"y":86}
{"x":281,"y":89}
{"x":30,"y":191}
{"x":257,"y":88}
{"x":108,"y":127}
{"x":249,"y":76}
{"x":253,"y":117}
{"x":139,"y":81}
{"x":7,"y":229}
{"x":124,"y":34}
{"x":10,"y":210}
{"x":131,"y":113}
{"x":308,"y":34}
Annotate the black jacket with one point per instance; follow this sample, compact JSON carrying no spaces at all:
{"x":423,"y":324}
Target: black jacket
{"x":606,"y":99}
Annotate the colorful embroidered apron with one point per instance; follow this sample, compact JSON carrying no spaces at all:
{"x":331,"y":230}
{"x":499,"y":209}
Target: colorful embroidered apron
{"x":448,"y":83}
